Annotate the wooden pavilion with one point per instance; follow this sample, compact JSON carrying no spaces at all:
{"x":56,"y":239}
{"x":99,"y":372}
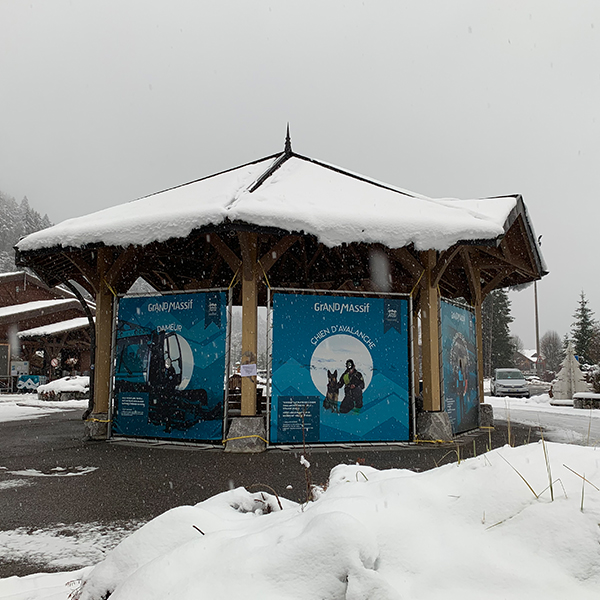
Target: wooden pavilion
{"x":290,"y":221}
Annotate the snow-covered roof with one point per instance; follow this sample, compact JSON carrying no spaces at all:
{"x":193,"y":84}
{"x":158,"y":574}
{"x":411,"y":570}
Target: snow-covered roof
{"x":38,"y":305}
{"x":11,"y":274}
{"x":530,"y":354}
{"x":54,"y":328}
{"x":292,"y":193}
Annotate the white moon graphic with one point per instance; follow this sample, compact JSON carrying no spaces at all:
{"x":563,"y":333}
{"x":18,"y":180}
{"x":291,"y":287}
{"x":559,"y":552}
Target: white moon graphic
{"x":187,"y":357}
{"x":332,"y":353}
{"x":177,"y":343}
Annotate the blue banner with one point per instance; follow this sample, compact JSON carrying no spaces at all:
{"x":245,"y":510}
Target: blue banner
{"x":340,"y":369}
{"x":30,"y":383}
{"x":170,"y":366}
{"x":459,"y":357}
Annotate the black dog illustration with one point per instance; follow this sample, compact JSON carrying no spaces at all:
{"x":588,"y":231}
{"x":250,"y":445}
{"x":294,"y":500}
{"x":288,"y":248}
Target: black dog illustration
{"x":333,"y":391}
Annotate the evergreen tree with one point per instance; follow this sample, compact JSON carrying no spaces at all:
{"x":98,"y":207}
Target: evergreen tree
{"x":583,"y":331}
{"x":498,"y":346}
{"x":16,"y":220}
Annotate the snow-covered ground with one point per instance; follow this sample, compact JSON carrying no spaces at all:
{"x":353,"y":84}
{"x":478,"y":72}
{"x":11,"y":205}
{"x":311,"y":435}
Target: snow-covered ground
{"x":560,"y":423}
{"x":15,"y":407}
{"x":488,"y":527}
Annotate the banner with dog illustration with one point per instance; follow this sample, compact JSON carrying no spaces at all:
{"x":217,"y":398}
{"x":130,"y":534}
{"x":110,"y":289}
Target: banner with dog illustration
{"x":459,"y":357}
{"x":170,"y":365}
{"x":340,"y":369}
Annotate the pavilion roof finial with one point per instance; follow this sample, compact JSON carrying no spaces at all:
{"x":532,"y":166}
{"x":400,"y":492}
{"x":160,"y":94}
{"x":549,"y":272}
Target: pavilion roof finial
{"x":288,"y":141}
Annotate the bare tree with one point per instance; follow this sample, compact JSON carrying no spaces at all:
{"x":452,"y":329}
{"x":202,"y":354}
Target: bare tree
{"x":551,"y":349}
{"x":517,"y":343}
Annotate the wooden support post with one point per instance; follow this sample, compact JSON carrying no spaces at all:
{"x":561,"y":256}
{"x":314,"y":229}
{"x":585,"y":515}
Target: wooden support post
{"x":416,"y":355}
{"x":479,"y":337}
{"x":248,"y":243}
{"x":430,"y":336}
{"x":102,"y":371}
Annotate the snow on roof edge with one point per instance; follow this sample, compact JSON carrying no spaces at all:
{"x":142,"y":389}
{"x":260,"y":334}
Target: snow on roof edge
{"x":217,"y":205}
{"x":54,"y":328}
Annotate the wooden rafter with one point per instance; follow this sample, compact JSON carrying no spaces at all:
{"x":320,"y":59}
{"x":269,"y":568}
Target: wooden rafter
{"x":86,"y":270}
{"x":226,"y":252}
{"x":443,"y":262}
{"x":495,"y":282}
{"x":506,"y":258}
{"x":472,"y":276}
{"x":315,"y":257}
{"x":407,"y":261}
{"x":281,"y":247}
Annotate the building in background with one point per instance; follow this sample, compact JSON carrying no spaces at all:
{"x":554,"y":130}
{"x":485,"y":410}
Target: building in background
{"x":43,"y":331}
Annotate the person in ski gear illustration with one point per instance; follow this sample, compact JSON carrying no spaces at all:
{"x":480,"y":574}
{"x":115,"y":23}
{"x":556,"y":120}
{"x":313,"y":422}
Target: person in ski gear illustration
{"x":353,"y":383}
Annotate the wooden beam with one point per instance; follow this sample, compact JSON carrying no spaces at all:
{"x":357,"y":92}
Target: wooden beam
{"x":430,"y":336}
{"x":494,"y":282}
{"x":104,"y":318}
{"x":416,"y":361}
{"x":479,"y":343}
{"x":282,"y":246}
{"x":315,"y":257}
{"x":472,"y":276}
{"x":198,"y":284}
{"x":442,"y":263}
{"x":407,"y":261}
{"x":528,"y":248}
{"x":115,"y":275}
{"x":506,"y":258}
{"x":250,"y":276}
{"x":87,"y":271}
{"x":226,"y":252}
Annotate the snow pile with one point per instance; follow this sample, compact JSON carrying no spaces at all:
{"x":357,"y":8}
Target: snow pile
{"x":484,"y":528}
{"x":539,"y":400}
{"x":67,"y":387}
{"x":301,"y":195}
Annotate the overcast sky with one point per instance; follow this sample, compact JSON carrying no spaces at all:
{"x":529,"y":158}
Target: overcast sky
{"x":104,"y":101}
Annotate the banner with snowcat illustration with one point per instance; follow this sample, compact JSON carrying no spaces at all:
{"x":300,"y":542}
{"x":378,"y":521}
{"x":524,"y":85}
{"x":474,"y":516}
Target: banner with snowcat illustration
{"x":169,"y":366}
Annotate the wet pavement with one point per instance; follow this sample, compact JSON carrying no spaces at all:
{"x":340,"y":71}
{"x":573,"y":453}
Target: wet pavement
{"x":71,"y":481}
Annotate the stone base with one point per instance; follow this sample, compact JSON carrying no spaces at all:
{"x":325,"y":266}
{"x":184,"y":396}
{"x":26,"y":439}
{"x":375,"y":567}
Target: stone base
{"x":586,"y":400}
{"x":246,"y":434}
{"x":96,"y":427}
{"x":486,"y":415}
{"x":434,"y":426}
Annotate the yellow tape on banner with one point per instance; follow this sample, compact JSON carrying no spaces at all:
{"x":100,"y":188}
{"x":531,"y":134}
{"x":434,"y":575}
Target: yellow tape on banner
{"x":245,"y":437}
{"x":265,"y":274}
{"x":233,"y":280}
{"x":112,"y":291}
{"x":416,"y":284}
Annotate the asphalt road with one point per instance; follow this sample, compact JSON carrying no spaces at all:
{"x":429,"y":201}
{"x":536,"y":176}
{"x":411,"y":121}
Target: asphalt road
{"x":138,"y":481}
